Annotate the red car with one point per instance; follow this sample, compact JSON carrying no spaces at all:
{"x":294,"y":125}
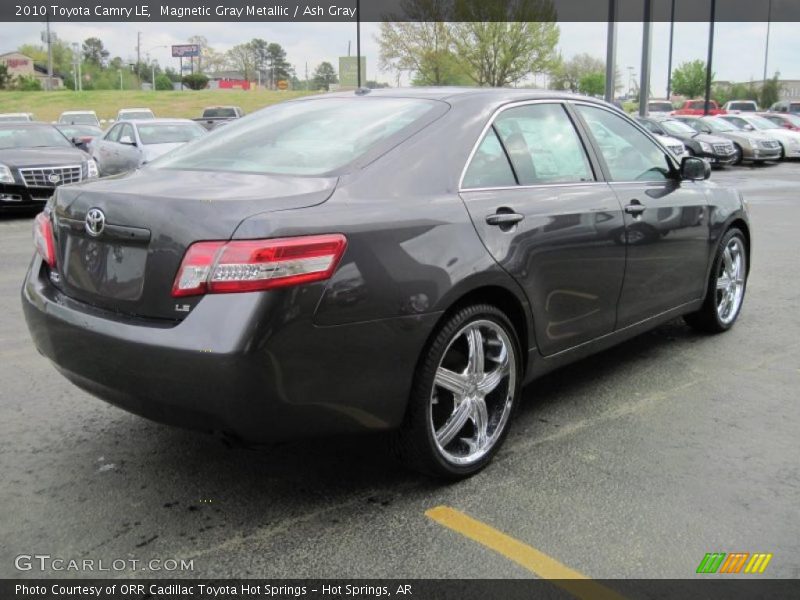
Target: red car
{"x":697,"y":108}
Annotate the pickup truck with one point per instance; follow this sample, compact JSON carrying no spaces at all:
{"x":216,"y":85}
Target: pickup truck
{"x":213,"y":116}
{"x":697,"y":108}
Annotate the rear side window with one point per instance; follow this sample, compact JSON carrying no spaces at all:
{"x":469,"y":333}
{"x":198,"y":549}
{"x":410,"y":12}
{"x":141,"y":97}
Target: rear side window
{"x":309,"y":137}
{"x":543,"y":145}
{"x":489,"y":167}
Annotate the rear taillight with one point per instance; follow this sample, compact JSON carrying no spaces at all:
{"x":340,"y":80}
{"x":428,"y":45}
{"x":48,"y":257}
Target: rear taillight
{"x":255,"y":265}
{"x":43,"y":238}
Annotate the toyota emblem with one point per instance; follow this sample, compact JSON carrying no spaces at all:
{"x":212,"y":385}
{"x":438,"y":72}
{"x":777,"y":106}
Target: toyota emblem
{"x":54,"y":178}
{"x":95,"y":222}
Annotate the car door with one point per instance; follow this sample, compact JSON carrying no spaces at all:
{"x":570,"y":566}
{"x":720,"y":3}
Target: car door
{"x":104,"y":150}
{"x":666,"y":232}
{"x":531,"y":190}
{"x":129,"y":152}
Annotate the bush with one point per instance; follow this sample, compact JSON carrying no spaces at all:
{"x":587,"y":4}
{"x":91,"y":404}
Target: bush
{"x":163,"y":82}
{"x":195,"y":81}
{"x":27,"y":84}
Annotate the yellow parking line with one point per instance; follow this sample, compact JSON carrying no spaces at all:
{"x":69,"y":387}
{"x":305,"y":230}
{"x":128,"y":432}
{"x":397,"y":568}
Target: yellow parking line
{"x":530,"y":558}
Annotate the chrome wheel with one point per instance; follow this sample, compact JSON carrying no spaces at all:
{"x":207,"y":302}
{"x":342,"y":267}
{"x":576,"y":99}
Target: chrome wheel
{"x":730,"y":280}
{"x":473,"y":392}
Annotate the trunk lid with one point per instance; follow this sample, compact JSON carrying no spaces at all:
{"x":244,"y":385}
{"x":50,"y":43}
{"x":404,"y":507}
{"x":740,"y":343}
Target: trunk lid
{"x":150,"y":217}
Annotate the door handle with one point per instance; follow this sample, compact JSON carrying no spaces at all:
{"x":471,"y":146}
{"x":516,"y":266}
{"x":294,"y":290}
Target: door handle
{"x":635,"y":208}
{"x":504,"y":219}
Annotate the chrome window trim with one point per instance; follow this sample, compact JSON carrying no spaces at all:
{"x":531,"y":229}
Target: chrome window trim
{"x":493,"y":118}
{"x":533,"y":187}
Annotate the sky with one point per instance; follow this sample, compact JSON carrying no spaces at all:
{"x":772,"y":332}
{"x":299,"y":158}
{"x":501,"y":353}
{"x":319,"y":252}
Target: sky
{"x":739,"y":47}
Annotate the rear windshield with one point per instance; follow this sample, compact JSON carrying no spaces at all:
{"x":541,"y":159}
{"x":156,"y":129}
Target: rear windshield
{"x":133,"y":116}
{"x":217,"y":113}
{"x":13,"y":119}
{"x":746,"y":106}
{"x":169,"y":133}
{"x":660,"y":107}
{"x":310,"y":137}
{"x":78,"y":119}
{"x":794,"y":107}
{"x":32,"y":137}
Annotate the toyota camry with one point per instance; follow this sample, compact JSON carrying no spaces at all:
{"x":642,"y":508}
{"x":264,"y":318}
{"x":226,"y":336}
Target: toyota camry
{"x":392,"y":260}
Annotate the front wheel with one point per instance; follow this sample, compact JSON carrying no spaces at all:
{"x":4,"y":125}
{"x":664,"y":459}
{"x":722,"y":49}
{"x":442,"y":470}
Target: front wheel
{"x":466,"y":387}
{"x":726,"y":286}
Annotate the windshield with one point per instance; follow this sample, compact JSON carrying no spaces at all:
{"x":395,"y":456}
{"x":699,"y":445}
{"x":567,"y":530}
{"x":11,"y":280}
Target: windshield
{"x":660,"y":107}
{"x":762,"y":123}
{"x":133,"y":116}
{"x":169,"y":133}
{"x":13,"y":119}
{"x":78,"y":119}
{"x":216,"y":113}
{"x":746,"y":106}
{"x":718,"y":125}
{"x":32,"y":137}
{"x":77,"y":130}
{"x":677,"y":128}
{"x":309,"y":137}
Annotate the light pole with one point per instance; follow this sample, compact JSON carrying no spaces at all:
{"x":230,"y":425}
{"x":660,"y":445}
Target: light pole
{"x":671,"y":39}
{"x":119,"y":71}
{"x":152,"y":65}
{"x":766,"y":49}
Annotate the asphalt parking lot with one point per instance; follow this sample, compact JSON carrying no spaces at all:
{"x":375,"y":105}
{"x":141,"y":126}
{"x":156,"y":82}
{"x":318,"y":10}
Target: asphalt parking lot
{"x":632,"y":464}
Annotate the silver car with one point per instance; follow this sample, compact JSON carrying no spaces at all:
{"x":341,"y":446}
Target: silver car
{"x":130,"y":144}
{"x":751,"y":146}
{"x":789,"y":140}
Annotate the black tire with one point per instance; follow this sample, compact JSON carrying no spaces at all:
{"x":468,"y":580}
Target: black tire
{"x":739,"y":154}
{"x":414,"y":444}
{"x":708,"y":319}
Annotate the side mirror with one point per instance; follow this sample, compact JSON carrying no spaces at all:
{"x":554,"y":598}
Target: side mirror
{"x":695,"y":169}
{"x":749,"y":127}
{"x":76,"y":141}
{"x":705,"y":129}
{"x":126,"y":139}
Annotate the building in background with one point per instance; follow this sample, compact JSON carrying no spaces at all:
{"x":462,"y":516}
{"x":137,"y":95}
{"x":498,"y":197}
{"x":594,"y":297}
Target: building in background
{"x":20,"y":65}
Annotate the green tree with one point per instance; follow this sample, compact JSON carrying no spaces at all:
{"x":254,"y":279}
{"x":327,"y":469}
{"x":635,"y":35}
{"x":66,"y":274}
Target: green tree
{"x":260,"y":56}
{"x":242,"y":58}
{"x":94,"y":52}
{"x":423,"y":49}
{"x":279,"y":67}
{"x":163,"y":82}
{"x":689,"y":79}
{"x":770,"y":91}
{"x":593,"y":84}
{"x":195,"y":81}
{"x":5,"y":78}
{"x":62,"y":55}
{"x":324,"y":75}
{"x":567,"y":75}
{"x":501,"y":42}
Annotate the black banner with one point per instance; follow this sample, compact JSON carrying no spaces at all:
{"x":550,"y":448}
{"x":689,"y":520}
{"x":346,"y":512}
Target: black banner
{"x":391,"y":10}
{"x":713,"y":588}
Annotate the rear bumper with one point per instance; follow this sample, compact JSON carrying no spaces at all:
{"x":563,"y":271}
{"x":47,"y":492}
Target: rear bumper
{"x":234,"y":365}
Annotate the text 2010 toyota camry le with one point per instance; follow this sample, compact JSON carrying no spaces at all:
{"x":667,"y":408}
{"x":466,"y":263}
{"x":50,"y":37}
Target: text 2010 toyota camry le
{"x":394,"y":260}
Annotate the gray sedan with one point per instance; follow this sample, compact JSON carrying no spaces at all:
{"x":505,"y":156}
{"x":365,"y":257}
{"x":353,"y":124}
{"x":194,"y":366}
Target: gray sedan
{"x":753,"y":146}
{"x":130,"y":144}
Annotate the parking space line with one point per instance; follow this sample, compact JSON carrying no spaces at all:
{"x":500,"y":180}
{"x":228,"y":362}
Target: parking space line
{"x":526,"y":556}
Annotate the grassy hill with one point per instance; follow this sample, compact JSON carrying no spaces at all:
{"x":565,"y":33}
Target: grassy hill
{"x":46,"y":106}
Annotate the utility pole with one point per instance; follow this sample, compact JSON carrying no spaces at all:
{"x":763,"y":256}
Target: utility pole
{"x":611,"y":50}
{"x":76,"y":51}
{"x":49,"y":86}
{"x":358,"y":39}
{"x":709,"y":65}
{"x":647,"y":47}
{"x":766,"y":50}
{"x":671,"y":40}
{"x":138,"y":50}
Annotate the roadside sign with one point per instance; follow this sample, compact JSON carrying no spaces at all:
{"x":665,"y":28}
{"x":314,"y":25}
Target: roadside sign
{"x":185,"y":50}
{"x":348,"y":71}
{"x":283,"y":84}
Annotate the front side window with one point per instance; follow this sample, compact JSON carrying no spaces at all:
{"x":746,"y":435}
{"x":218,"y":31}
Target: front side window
{"x":543,"y":145}
{"x":307,"y":137}
{"x":113,"y":134}
{"x":629,"y":154}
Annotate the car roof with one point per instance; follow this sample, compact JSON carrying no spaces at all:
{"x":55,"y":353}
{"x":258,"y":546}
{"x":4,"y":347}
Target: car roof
{"x":163,"y":120}
{"x":447,"y":93}
{"x":122,"y":110}
{"x":79,"y":112}
{"x":25,"y":124}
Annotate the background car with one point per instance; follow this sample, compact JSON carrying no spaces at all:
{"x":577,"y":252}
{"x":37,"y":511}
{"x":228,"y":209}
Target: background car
{"x":786,"y":106}
{"x":674,"y":145}
{"x":788,"y":121}
{"x":741,"y":106}
{"x":135,"y":114}
{"x":36,"y":158}
{"x":717,"y":150}
{"x":465,"y":233}
{"x":129,"y":144}
{"x":789,"y":140}
{"x":80,"y":135}
{"x":752,"y":146}
{"x":79,"y":117}
{"x":698,"y":108}
{"x":659,"y":108}
{"x":214,"y":116}
{"x":16,"y":117}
